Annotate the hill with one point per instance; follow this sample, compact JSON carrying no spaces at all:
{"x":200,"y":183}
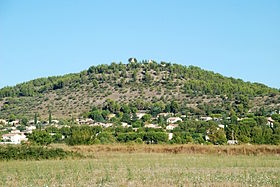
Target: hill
{"x":199,"y":91}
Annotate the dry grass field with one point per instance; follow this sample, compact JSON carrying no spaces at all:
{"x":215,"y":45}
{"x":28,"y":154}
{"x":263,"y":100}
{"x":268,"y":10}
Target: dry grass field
{"x":121,"y":165}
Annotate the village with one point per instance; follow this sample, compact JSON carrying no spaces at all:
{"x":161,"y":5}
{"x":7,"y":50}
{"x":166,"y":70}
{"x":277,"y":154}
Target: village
{"x":13,"y":132}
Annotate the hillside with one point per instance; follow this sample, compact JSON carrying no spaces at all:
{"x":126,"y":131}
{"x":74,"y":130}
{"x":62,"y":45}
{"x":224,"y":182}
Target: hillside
{"x":198,"y":90}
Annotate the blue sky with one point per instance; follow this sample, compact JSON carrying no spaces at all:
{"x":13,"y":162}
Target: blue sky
{"x":235,"y":38}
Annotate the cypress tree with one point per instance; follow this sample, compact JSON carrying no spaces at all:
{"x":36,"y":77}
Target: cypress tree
{"x":50,"y":117}
{"x":35,"y":120}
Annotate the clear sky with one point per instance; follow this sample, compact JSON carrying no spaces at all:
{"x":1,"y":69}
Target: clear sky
{"x":238,"y":38}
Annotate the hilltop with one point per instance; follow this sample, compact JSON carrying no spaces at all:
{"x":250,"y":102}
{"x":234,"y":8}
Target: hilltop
{"x":200,"y":91}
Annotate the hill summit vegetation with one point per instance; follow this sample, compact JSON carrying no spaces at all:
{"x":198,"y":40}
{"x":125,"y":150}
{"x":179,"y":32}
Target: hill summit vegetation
{"x":198,"y":91}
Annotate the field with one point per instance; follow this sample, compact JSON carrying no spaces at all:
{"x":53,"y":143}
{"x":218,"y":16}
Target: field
{"x":116,"y":166}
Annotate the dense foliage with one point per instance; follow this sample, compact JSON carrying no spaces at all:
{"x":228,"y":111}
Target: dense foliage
{"x":32,"y":153}
{"x":146,"y":81}
{"x":195,"y":79}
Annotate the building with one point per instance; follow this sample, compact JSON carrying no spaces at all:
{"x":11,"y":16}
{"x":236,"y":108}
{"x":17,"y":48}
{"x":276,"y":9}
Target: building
{"x":164,"y":114}
{"x":140,"y":115}
{"x":232,"y":142}
{"x":170,"y":136}
{"x":110,"y":116}
{"x":207,"y":118}
{"x":174,"y":120}
{"x":16,"y":122}
{"x":55,"y":122}
{"x":270,"y":122}
{"x":153,"y":126}
{"x":125,"y":125}
{"x":221,"y":126}
{"x":13,"y":138}
{"x":3,"y":122}
{"x":171,"y":126}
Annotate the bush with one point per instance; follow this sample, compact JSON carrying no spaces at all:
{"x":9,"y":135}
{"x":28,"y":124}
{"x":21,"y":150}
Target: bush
{"x":32,"y":153}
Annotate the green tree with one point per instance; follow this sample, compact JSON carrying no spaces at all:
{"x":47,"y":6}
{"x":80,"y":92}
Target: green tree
{"x":40,"y":138}
{"x":50,"y":117}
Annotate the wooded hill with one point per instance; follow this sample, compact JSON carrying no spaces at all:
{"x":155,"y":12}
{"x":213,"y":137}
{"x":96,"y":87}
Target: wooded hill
{"x":200,"y":92}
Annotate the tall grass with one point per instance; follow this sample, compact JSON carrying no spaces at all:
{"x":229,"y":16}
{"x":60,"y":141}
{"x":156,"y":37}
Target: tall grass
{"x":177,"y":149}
{"x":145,"y":169}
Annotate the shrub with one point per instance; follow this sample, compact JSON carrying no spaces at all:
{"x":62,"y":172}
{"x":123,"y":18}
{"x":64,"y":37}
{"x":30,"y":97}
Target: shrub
{"x":32,"y":153}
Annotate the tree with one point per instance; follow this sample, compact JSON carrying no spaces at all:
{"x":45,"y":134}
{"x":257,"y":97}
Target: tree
{"x":24,"y":121}
{"x":50,"y":117}
{"x":40,"y":138}
{"x":218,"y":137}
{"x":146,"y":117}
{"x":257,"y":136}
{"x":12,"y":117}
{"x":36,"y":120}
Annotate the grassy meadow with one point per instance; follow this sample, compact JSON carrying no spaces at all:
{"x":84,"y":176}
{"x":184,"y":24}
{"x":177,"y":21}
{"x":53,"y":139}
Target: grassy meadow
{"x":117,"y":166}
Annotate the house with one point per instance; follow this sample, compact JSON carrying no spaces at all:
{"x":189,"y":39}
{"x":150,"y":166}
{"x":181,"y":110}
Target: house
{"x":232,"y":142}
{"x":97,"y":124}
{"x":207,"y":118}
{"x":15,"y":131}
{"x":207,"y":138}
{"x":106,"y":125}
{"x":132,"y":60}
{"x":13,"y":138}
{"x":140,"y":115}
{"x":110,"y":116}
{"x":270,"y":122}
{"x":217,"y":119}
{"x":153,"y":126}
{"x":170,"y":136}
{"x":32,"y":122}
{"x":174,"y":120}
{"x":55,"y":122}
{"x":125,"y":125}
{"x":163,"y":114}
{"x":16,"y":122}
{"x":87,"y":121}
{"x":3,"y":122}
{"x":221,"y":126}
{"x":29,"y":129}
{"x":171,"y":126}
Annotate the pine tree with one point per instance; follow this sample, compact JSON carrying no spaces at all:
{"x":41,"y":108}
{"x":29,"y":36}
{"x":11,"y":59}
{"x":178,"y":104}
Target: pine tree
{"x":35,"y":120}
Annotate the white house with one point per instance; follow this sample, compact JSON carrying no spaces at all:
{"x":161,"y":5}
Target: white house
{"x":270,"y":122}
{"x":154,"y":126}
{"x":30,"y":128}
{"x":171,"y":126}
{"x":170,"y":136}
{"x":221,"y":126}
{"x":163,"y":114}
{"x":106,"y":125}
{"x":232,"y":142}
{"x":3,"y":122}
{"x":15,"y":131}
{"x":125,"y":125}
{"x":13,"y":138}
{"x":55,"y":122}
{"x":110,"y":116}
{"x":140,"y":115}
{"x":87,"y":121}
{"x":16,"y":122}
{"x":207,"y":118}
{"x":173,"y":119}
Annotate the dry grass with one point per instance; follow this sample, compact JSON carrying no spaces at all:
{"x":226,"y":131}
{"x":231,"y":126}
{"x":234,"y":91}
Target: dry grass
{"x":145,"y":169}
{"x":151,"y":165}
{"x":177,"y":149}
